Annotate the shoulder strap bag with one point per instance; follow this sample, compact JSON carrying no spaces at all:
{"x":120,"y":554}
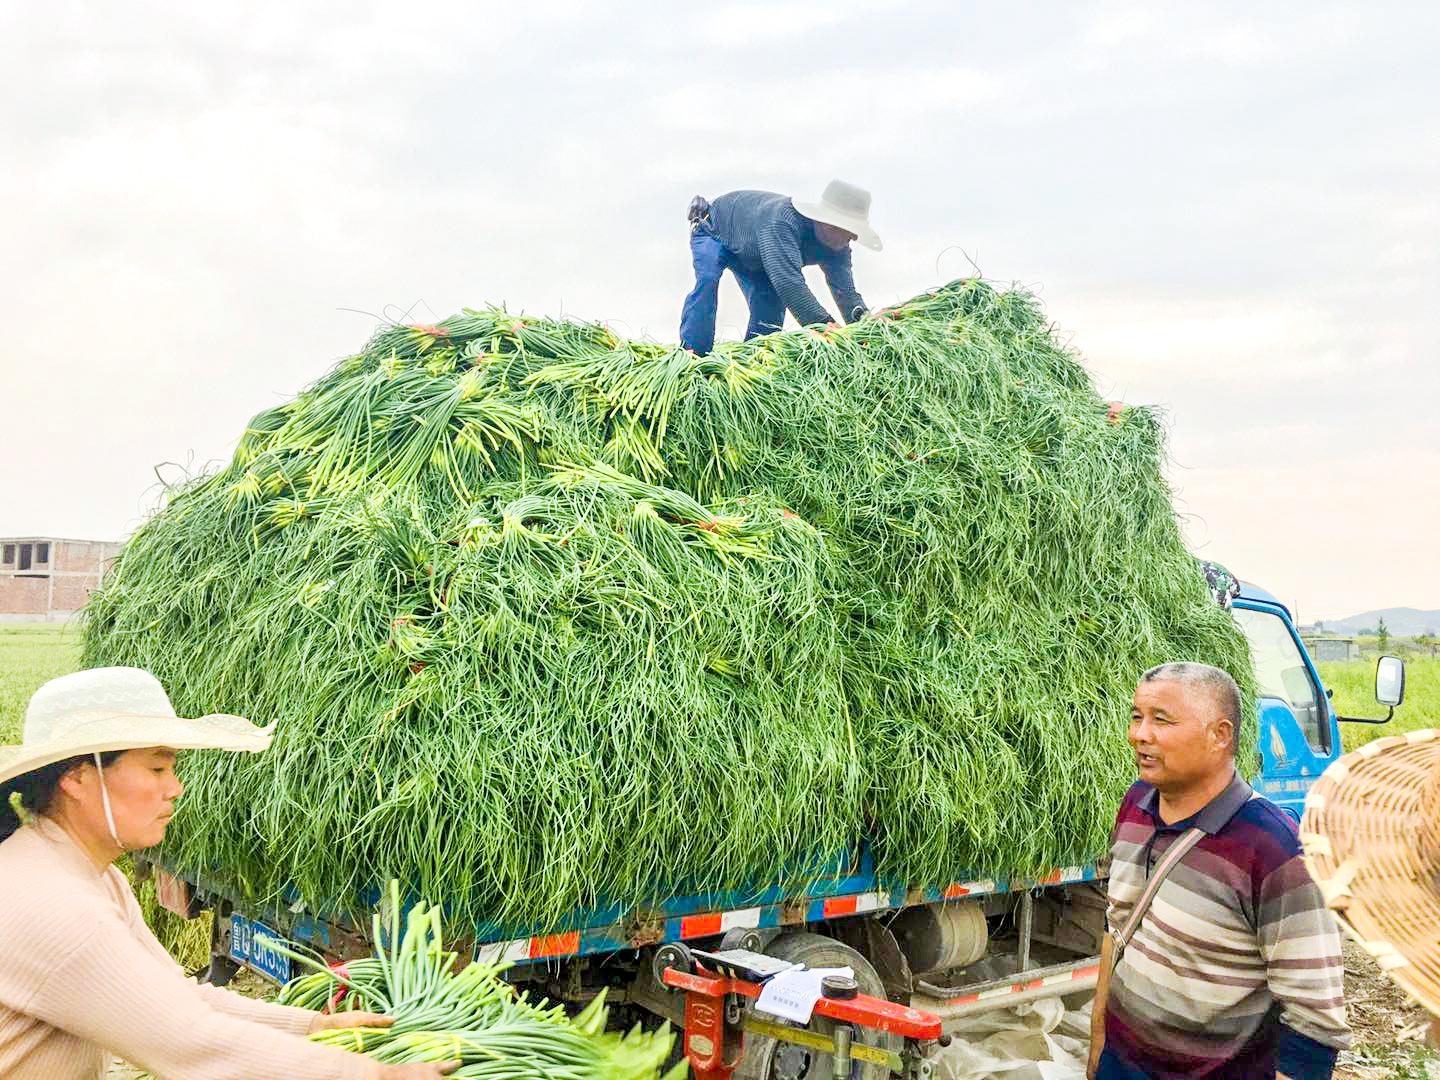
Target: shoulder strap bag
{"x":1113,"y":946}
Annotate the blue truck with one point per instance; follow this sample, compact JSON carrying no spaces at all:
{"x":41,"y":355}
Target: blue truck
{"x":1299,"y":727}
{"x":948,"y":948}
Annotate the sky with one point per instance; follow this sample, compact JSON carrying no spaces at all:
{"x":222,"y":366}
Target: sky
{"x":1229,"y":211}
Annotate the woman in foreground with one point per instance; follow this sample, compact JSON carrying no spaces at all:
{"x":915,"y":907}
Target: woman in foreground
{"x":81,"y":975}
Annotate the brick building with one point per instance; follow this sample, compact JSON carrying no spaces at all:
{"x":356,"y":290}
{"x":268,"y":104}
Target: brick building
{"x":48,"y":579}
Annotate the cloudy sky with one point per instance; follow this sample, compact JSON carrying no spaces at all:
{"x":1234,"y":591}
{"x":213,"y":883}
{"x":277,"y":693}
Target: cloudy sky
{"x":1230,"y":210}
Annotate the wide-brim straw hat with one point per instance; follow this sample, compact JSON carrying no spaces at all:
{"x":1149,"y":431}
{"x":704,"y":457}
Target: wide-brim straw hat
{"x":1371,"y":834}
{"x":116,"y":708}
{"x":844,"y":206}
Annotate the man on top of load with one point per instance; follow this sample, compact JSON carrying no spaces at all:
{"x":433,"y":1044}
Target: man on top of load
{"x":766,"y":240}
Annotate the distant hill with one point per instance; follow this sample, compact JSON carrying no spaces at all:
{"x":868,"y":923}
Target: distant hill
{"x":1400,"y":621}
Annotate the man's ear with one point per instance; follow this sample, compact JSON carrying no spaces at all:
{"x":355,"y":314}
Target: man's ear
{"x":1223,"y":732}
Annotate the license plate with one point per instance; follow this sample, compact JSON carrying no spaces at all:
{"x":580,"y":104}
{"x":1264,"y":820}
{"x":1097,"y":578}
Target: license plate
{"x":247,"y":946}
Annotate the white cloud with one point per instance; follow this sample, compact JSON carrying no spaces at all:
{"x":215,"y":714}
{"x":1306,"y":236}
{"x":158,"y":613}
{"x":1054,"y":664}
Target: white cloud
{"x":1147,"y":341}
{"x":1230,"y":209}
{"x":1363,"y":525}
{"x":1165,"y":31}
{"x":879,"y":109}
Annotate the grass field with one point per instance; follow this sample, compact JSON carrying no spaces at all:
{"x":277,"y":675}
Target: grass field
{"x":30,"y":655}
{"x":1353,"y":682}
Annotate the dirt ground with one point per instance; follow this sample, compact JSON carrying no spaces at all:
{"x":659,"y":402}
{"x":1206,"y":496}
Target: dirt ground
{"x":1389,"y":1029}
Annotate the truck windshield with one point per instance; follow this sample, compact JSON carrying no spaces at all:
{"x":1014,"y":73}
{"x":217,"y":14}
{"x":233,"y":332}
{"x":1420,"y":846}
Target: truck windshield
{"x":1280,"y":672}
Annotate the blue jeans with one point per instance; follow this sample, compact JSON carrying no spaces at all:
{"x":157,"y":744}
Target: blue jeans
{"x":712,"y":259}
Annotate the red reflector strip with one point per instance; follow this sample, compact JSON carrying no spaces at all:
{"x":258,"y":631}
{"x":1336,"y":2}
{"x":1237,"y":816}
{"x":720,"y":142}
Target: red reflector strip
{"x":954,"y":892}
{"x":840,"y":905}
{"x":701,"y":925}
{"x":555,"y":945}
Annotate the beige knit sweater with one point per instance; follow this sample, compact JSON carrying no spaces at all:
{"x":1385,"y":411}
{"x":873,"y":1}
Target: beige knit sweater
{"x":82,"y":978}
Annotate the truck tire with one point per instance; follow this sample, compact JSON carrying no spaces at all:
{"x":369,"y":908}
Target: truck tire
{"x":769,"y":1059}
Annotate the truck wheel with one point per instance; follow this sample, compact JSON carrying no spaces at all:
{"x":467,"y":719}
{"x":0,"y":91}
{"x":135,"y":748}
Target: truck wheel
{"x":770,"y":1059}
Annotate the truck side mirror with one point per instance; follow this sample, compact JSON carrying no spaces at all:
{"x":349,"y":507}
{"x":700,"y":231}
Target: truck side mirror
{"x":1390,"y":681}
{"x":1389,"y":689}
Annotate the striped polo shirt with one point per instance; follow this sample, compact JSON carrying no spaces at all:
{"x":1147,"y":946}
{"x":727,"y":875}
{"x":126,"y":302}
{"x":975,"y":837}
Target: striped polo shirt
{"x":1235,"y":971}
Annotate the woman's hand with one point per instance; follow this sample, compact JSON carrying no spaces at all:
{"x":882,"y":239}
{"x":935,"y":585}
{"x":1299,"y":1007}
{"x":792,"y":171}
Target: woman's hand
{"x":329,"y":1021}
{"x":419,"y":1071}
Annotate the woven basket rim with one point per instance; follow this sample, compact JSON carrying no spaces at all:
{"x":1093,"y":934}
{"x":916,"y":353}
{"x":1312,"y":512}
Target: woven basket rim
{"x":1364,"y":834}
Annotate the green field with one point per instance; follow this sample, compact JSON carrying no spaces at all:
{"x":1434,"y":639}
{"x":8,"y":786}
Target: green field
{"x":1353,"y":682}
{"x":30,"y":654}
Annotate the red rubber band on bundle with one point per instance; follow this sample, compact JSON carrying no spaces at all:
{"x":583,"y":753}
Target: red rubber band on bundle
{"x":343,"y":970}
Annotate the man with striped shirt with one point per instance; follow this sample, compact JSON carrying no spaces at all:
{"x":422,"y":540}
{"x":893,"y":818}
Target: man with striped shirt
{"x":1235,"y":971}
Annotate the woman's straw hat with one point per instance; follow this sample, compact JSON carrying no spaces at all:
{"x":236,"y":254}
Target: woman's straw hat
{"x":115,"y":708}
{"x":1371,"y":834}
{"x":844,"y":206}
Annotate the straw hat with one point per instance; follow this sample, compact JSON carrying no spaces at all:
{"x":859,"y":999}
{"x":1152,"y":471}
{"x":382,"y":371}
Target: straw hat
{"x":117,"y":708}
{"x":1371,"y":834}
{"x":845,"y":206}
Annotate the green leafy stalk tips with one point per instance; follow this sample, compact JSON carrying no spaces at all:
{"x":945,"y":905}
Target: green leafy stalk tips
{"x":551,"y":620}
{"x":470,"y":1015}
{"x":18,"y":808}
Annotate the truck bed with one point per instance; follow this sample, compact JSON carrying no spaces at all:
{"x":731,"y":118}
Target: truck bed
{"x":617,"y":927}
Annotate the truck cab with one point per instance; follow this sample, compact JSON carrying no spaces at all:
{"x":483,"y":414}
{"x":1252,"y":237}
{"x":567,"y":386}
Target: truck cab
{"x":1299,"y":726}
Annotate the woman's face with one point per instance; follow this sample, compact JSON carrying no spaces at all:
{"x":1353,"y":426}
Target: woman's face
{"x":143,"y":788}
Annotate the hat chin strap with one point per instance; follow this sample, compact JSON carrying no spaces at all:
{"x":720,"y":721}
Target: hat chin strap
{"x":105,"y":798}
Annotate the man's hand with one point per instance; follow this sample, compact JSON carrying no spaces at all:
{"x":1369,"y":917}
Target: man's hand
{"x":1098,"y":1007}
{"x":330,"y":1021}
{"x":418,"y":1072}
{"x":1113,"y":411}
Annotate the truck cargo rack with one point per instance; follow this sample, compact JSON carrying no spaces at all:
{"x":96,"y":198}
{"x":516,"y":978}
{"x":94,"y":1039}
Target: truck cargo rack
{"x":614,"y":928}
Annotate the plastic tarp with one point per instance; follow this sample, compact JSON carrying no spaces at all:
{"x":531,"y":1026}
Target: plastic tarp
{"x":1037,"y":1041}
